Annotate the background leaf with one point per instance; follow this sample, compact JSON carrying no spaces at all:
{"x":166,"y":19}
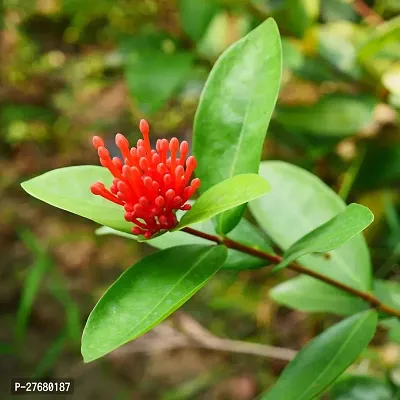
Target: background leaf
{"x":389,"y":32}
{"x":332,"y":115}
{"x":311,"y":295}
{"x":33,"y":280}
{"x":297,"y":195}
{"x":244,"y":232}
{"x":297,"y":14}
{"x":388,"y":292}
{"x":234,"y":111}
{"x":331,"y":235}
{"x":154,"y":70}
{"x":69,"y":189}
{"x":196,"y":15}
{"x":224,"y":196}
{"x":323,"y":359}
{"x":360,"y":388}
{"x":380,"y":167}
{"x":146,"y":294}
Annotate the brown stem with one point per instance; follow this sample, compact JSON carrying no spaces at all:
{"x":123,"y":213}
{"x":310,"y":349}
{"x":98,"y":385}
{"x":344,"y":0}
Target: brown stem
{"x":275,"y":259}
{"x":370,"y":16}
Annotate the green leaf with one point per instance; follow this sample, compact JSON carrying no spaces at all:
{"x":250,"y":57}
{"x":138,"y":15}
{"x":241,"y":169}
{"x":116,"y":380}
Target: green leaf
{"x":300,"y":202}
{"x":311,"y":295}
{"x":337,"y":45}
{"x":308,"y":203}
{"x":388,"y":292}
{"x":380,"y":167}
{"x":245,"y":233}
{"x":223,"y":196}
{"x":331,"y":235}
{"x":360,"y":388}
{"x":235,"y":109}
{"x":196,"y":15}
{"x":323,"y":359}
{"x":69,"y":189}
{"x":153,"y":71}
{"x":332,"y":115}
{"x":337,"y":10}
{"x":393,"y":326}
{"x":298,"y":15}
{"x":34,"y":278}
{"x":146,"y":294}
{"x":389,"y":32}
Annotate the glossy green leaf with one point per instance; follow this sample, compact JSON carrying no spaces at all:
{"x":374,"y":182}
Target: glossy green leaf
{"x":332,"y":115}
{"x":245,"y":233}
{"x":196,"y":15}
{"x":324,"y":358}
{"x":300,"y":202}
{"x":234,"y":111}
{"x":224,"y":196}
{"x":153,"y":73}
{"x":330,"y":235}
{"x":146,"y":294}
{"x":311,"y":295}
{"x":360,"y":388}
{"x":69,"y":189}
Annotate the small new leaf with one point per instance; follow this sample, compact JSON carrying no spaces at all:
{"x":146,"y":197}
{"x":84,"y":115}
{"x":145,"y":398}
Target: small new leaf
{"x":331,"y":235}
{"x":225,"y":195}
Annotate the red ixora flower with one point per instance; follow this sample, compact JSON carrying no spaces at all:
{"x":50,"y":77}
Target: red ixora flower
{"x":150,"y":186}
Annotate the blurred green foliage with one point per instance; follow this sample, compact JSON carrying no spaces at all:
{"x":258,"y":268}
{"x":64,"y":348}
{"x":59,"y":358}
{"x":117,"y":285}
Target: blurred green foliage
{"x":70,"y":67}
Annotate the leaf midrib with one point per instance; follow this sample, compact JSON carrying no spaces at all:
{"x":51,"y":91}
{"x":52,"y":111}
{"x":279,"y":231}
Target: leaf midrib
{"x":241,"y":138}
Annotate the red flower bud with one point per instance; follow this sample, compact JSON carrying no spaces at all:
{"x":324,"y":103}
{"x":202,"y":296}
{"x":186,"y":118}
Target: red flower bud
{"x":149,"y":185}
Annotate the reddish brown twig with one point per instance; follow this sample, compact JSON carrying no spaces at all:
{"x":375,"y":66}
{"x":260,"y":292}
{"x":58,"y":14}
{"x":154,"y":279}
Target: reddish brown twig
{"x":370,"y":16}
{"x":275,"y":259}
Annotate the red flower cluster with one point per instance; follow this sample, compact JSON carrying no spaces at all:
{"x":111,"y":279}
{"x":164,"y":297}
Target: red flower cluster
{"x":150,"y":186}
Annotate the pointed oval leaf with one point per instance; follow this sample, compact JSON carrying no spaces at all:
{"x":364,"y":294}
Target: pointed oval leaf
{"x":311,"y":295}
{"x":331,"y":235}
{"x":300,"y":202}
{"x":244,"y":232}
{"x":235,"y":109}
{"x":146,"y":294}
{"x":69,"y":189}
{"x":225,"y":195}
{"x":323,"y":359}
